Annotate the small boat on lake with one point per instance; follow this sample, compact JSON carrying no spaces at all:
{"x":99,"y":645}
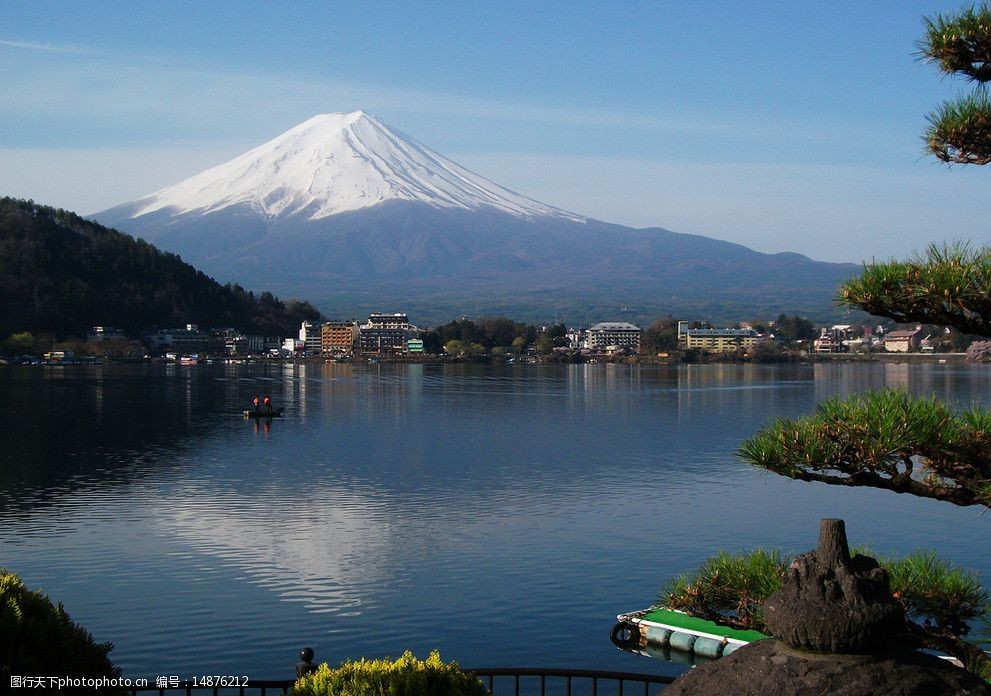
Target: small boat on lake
{"x":665,"y":628}
{"x":265,"y":413}
{"x":670,"y":630}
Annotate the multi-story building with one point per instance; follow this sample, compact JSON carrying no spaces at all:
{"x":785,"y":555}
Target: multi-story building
{"x":338,"y":336}
{"x":242,"y":345}
{"x":834,"y":340}
{"x":311,"y":335}
{"x":826,"y":343}
{"x":105,"y":333}
{"x":384,"y":333}
{"x":717,"y":340}
{"x":189,"y":340}
{"x":186,"y":341}
{"x":293,"y":346}
{"x":610,"y":334}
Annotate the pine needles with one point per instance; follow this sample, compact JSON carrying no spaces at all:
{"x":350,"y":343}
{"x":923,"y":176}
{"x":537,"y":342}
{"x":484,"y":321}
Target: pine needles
{"x":948,"y":284}
{"x":885,"y":439}
{"x":960,"y":44}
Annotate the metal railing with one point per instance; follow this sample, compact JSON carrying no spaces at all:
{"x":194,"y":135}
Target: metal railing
{"x":544,"y":681}
{"x":500,"y":680}
{"x":520,"y":681}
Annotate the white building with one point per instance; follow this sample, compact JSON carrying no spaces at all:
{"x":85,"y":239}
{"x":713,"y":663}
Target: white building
{"x":310,"y":333}
{"x":834,"y":340}
{"x":576,"y":338}
{"x":293,"y":345}
{"x":608,"y":334}
{"x":242,"y":345}
{"x":385,"y":333}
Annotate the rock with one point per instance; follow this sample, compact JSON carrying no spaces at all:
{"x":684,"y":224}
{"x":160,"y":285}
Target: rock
{"x":771,"y":667}
{"x":840,"y":631}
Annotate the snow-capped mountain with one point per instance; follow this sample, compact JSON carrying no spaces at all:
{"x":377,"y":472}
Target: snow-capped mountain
{"x":354,"y":216}
{"x":336,"y":163}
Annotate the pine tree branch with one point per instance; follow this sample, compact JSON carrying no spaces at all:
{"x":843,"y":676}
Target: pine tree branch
{"x":960,"y":131}
{"x":948,"y":285}
{"x":957,"y":496}
{"x":886,"y":440}
{"x":974,"y":659}
{"x":960,"y":43}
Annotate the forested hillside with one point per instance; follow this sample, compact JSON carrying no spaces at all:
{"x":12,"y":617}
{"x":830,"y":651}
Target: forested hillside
{"x":61,"y":274}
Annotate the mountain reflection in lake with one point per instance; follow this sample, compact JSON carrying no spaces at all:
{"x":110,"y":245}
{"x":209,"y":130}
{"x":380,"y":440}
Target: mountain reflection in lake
{"x":503,"y":515}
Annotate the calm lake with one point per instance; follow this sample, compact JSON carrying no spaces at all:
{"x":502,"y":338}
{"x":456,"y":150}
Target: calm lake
{"x":503,"y":515}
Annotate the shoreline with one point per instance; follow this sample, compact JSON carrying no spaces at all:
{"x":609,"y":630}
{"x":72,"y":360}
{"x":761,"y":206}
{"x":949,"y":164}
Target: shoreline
{"x":671,"y":359}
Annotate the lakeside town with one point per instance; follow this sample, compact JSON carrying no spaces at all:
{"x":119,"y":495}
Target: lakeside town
{"x":391,"y":336}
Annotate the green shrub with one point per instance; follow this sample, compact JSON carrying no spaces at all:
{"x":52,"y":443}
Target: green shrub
{"x":937,"y":593}
{"x":407,"y":676}
{"x":38,"y":639}
{"x":731,"y":588}
{"x":728,"y":588}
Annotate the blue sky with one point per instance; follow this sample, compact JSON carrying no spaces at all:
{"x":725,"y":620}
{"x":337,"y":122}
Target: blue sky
{"x":783,"y":126}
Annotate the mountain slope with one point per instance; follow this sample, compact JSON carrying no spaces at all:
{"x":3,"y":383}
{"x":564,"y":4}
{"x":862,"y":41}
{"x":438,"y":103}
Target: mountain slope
{"x":63,"y":274}
{"x":358,"y":217}
{"x":335,"y":163}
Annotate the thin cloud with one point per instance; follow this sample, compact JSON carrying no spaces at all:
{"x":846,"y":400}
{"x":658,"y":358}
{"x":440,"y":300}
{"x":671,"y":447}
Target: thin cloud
{"x":33,"y":46}
{"x":146,"y":84}
{"x":142,"y":83}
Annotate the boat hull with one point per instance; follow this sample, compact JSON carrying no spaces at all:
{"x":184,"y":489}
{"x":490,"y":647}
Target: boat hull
{"x":274,"y":413}
{"x":667,"y":628}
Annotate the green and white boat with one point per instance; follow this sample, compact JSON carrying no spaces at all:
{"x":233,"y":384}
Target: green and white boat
{"x":648,"y":630}
{"x":668,"y":628}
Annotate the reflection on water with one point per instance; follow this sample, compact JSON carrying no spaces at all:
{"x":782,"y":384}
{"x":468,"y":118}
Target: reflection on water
{"x":501,"y":514}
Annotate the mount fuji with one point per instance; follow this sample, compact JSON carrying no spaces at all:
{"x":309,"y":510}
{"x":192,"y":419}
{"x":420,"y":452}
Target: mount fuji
{"x":356,"y":216}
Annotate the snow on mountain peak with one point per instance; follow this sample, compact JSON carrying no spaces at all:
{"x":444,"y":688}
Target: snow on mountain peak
{"x":334,"y":163}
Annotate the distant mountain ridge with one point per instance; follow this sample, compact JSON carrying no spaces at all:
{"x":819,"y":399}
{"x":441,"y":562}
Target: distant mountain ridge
{"x":358,"y":217}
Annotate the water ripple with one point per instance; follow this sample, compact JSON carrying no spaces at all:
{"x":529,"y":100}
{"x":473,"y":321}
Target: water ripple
{"x":502,"y":515}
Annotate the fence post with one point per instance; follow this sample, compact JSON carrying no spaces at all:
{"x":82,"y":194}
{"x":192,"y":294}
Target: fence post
{"x":305,"y":664}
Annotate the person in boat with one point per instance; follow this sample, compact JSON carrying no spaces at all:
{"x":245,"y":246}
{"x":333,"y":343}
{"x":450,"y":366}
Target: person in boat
{"x":257,"y":403}
{"x":268,"y":404}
